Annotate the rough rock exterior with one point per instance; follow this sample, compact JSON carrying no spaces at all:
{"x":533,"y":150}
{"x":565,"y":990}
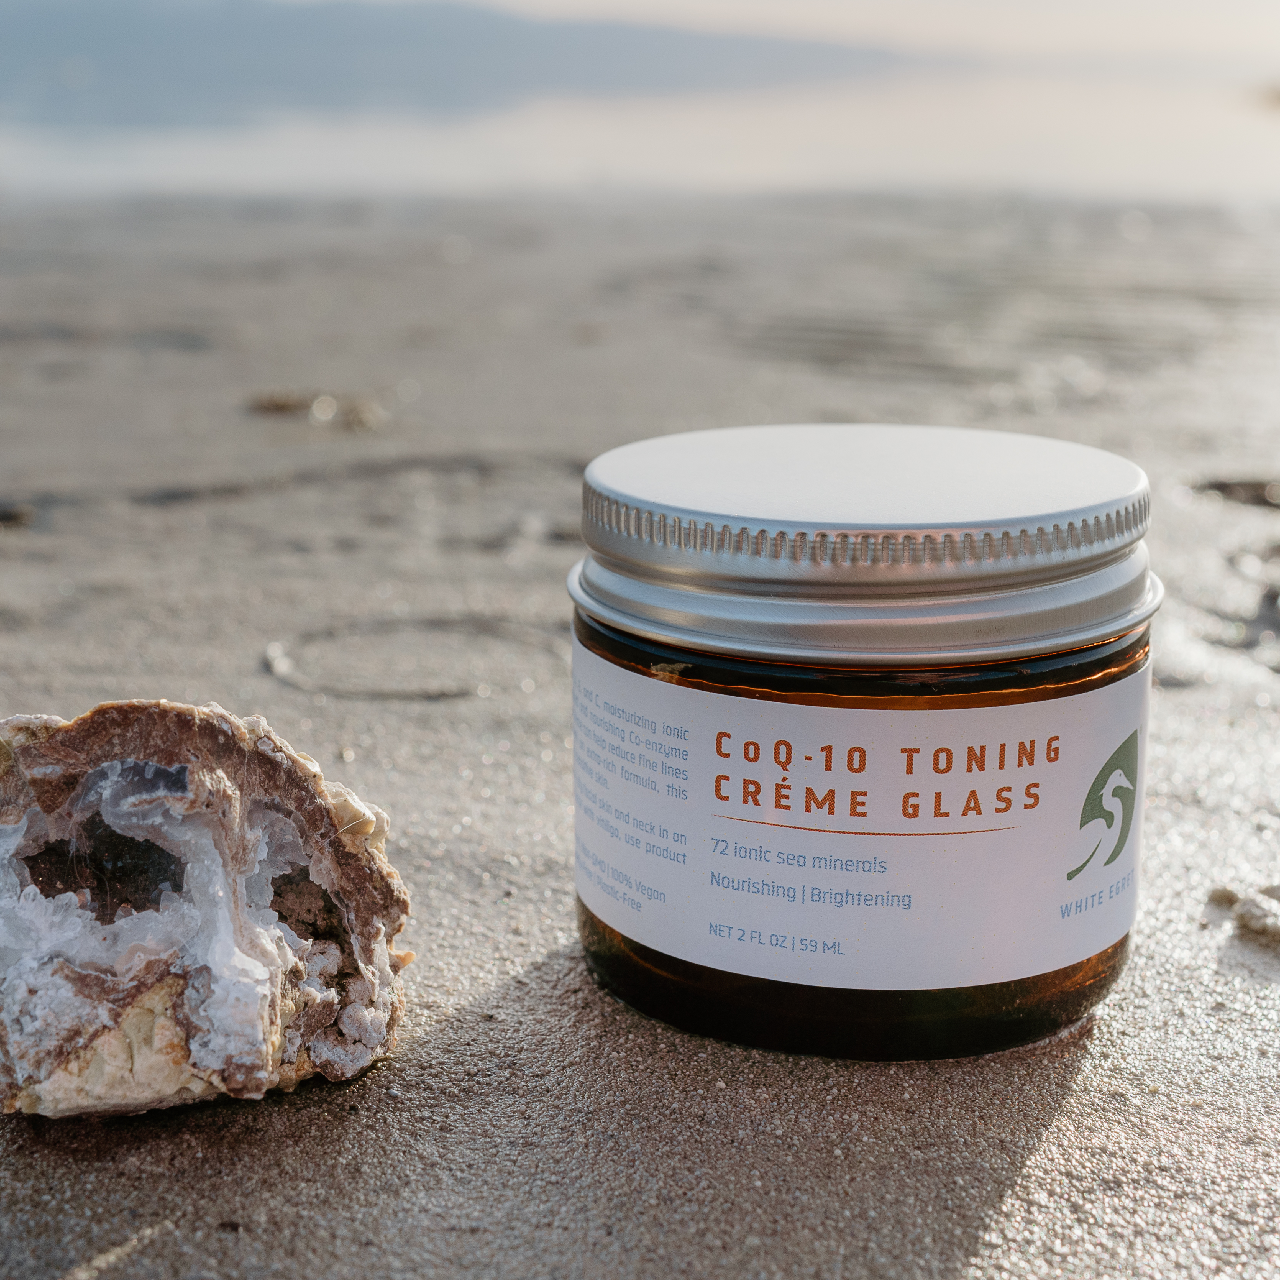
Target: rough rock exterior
{"x":186,"y":908}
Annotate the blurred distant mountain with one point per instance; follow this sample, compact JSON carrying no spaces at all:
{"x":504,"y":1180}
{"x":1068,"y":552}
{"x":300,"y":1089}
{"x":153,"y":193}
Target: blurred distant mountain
{"x":158,"y":63}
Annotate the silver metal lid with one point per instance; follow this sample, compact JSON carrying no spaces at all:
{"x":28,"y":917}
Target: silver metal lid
{"x":866,"y":545}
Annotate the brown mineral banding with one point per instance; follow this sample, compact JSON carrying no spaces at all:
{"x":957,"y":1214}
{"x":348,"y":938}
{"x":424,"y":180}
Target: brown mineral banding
{"x":335,"y":999}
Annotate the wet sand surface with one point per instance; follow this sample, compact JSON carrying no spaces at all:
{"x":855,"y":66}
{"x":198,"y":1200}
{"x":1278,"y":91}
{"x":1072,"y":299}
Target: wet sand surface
{"x":363,"y":588}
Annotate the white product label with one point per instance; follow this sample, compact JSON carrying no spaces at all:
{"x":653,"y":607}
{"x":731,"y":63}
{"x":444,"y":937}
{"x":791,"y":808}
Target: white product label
{"x":871,"y":849}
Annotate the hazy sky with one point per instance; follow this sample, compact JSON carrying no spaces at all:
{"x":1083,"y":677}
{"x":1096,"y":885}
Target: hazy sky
{"x":1245,"y":32}
{"x":1119,"y":99}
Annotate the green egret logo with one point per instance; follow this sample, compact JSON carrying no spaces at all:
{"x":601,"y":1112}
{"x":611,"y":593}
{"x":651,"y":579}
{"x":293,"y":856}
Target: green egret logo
{"x":1108,"y":810}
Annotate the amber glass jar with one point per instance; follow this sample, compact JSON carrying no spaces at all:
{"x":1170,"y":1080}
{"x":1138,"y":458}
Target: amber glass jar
{"x":859,"y":747}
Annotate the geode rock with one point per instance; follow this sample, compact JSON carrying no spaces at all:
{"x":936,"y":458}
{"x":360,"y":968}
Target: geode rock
{"x":186,"y":908}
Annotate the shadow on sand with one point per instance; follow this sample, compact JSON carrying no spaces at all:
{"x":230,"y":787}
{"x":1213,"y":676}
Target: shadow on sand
{"x":548,"y":1130}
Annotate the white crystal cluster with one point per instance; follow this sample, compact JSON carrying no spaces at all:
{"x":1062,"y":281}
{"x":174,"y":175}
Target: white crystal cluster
{"x":186,"y":908}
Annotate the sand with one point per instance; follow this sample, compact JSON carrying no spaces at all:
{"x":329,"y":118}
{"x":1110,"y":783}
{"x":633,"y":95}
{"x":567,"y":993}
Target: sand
{"x":357,"y":587}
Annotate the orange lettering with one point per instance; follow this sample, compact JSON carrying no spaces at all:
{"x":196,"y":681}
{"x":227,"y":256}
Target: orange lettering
{"x":827,"y":802}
